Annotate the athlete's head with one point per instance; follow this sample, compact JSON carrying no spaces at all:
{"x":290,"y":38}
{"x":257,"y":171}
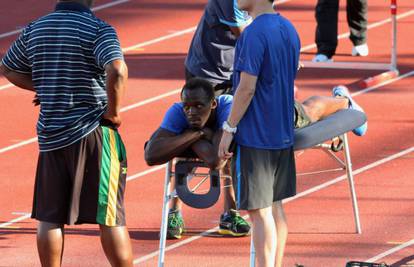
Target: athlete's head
{"x":198,"y":101}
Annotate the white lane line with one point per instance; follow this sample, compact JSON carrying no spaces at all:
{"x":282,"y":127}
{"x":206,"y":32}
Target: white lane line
{"x":391,"y":251}
{"x":20,"y":144}
{"x":21,"y":218}
{"x":9,"y":85}
{"x":143,"y":173}
{"x":150,"y":100}
{"x":153,"y":99}
{"x":160,"y":39}
{"x":302,"y":194}
{"x":111,"y":4}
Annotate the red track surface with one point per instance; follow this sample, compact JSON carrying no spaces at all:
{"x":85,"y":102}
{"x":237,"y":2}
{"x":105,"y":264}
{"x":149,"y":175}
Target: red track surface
{"x":321,"y":223}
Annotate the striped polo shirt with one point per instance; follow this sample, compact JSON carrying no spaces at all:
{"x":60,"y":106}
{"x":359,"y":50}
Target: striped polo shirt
{"x":66,"y":52}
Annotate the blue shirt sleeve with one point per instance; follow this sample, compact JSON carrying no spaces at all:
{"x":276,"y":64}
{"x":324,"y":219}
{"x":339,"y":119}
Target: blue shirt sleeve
{"x":250,"y":50}
{"x":16,"y":58}
{"x":175,"y":120}
{"x":229,"y":13}
{"x":224,"y":103}
{"x":107,"y":47}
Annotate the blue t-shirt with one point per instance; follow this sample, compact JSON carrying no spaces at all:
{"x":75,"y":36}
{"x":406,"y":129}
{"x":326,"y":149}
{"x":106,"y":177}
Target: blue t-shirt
{"x":211,"y":52}
{"x":175,"y":120}
{"x":268,"y":49}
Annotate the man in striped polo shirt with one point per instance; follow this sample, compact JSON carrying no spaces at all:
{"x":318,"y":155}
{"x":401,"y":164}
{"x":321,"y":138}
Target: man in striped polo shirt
{"x":74,"y":63}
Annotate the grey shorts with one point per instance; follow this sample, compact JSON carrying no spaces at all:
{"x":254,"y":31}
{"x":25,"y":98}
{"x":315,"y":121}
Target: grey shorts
{"x":301,"y":118}
{"x":263,"y":176}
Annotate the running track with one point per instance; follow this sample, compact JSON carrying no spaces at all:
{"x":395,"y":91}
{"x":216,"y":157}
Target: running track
{"x":156,"y":35}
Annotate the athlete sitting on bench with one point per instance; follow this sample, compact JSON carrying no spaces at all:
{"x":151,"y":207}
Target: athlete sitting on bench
{"x":194,"y":125}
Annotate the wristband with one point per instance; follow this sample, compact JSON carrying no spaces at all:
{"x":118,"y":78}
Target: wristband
{"x":226,"y":127}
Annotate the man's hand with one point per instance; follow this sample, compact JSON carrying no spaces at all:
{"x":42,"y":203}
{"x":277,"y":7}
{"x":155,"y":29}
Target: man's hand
{"x":116,"y":78}
{"x":114,"y":119}
{"x":36,"y":100}
{"x":223,"y":150}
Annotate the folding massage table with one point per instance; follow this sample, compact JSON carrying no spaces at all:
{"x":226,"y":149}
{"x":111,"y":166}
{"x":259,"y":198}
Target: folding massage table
{"x":313,"y":136}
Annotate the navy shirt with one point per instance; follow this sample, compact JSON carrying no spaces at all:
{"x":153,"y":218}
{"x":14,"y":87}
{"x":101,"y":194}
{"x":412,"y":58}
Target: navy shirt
{"x":66,"y":53}
{"x":211,"y":53}
{"x":175,"y":120}
{"x":268,"y":49}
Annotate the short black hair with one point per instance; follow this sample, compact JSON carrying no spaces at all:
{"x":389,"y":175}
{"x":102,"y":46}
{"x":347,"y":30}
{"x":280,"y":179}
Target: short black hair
{"x":199,"y":83}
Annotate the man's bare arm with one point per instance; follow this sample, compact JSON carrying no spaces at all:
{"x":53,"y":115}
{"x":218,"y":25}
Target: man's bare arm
{"x":241,"y":101}
{"x":117,"y":76}
{"x":206,"y":150}
{"x":165,"y":145}
{"x":21,"y":80}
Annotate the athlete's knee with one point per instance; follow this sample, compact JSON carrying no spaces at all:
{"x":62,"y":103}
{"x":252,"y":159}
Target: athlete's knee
{"x":314,"y":107}
{"x":260,"y":214}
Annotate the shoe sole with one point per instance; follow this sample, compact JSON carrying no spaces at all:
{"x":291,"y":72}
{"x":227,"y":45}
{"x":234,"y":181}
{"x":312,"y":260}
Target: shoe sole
{"x":231,"y":233}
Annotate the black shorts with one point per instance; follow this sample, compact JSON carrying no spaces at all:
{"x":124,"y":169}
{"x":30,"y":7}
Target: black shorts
{"x":83,"y":182}
{"x":263,"y":176}
{"x":219,"y":88}
{"x":301,"y":118}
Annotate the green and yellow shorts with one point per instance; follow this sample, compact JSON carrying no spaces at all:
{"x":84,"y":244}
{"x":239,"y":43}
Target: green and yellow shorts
{"x":301,"y":118}
{"x":83,"y":182}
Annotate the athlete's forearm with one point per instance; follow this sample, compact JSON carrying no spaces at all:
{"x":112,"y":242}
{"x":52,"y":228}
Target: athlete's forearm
{"x":117,"y":76}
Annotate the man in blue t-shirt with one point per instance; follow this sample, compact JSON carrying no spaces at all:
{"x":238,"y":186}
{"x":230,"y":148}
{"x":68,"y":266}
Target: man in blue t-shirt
{"x":193,"y":128}
{"x":211,"y":52}
{"x":266,"y":62}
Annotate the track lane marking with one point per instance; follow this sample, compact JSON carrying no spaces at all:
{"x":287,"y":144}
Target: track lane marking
{"x":391,"y":251}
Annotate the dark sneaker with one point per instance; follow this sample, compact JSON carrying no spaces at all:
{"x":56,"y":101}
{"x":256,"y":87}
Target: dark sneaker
{"x":231,"y":223}
{"x":175,"y":226}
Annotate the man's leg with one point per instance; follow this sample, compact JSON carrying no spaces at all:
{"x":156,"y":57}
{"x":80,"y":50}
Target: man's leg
{"x":229,"y":199}
{"x":175,"y":203}
{"x":326,"y":14}
{"x":50,"y":240}
{"x":281,"y":230}
{"x":264,"y":236}
{"x":357,"y":20}
{"x":116,"y":245}
{"x":319,"y":107}
{"x":175,"y":224}
{"x":231,"y":223}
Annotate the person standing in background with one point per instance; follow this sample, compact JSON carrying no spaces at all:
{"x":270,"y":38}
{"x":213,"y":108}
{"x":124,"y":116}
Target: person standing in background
{"x":326,"y":36}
